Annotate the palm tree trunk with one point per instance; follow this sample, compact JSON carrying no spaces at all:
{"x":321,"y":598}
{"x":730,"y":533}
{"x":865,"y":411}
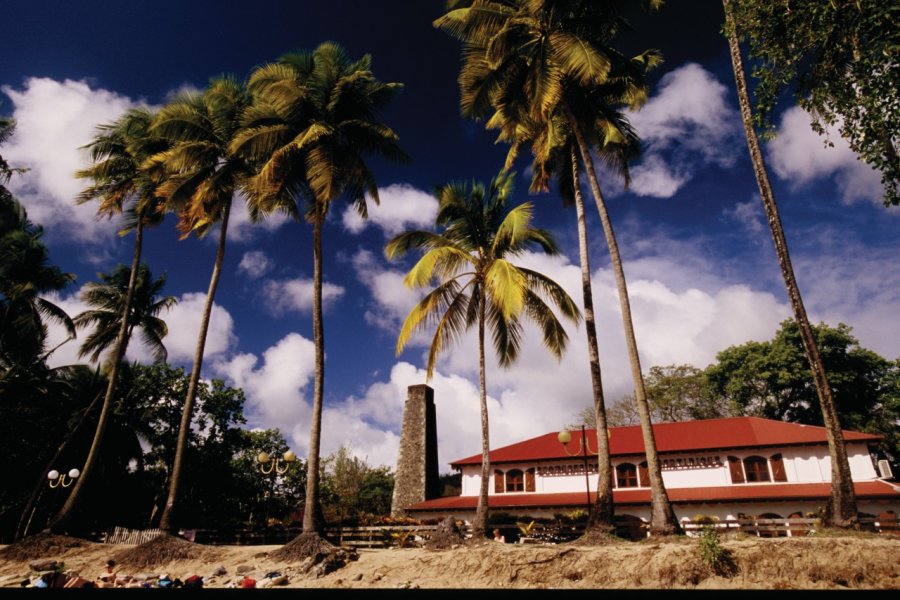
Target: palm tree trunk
{"x":662,"y":518}
{"x":312,"y":513}
{"x":167,"y":521}
{"x":601,"y":519}
{"x":63,"y":518}
{"x":480,"y":523}
{"x":842,"y":508}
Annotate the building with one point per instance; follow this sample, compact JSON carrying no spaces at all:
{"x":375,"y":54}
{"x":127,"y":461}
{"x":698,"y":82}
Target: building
{"x":727,"y":468}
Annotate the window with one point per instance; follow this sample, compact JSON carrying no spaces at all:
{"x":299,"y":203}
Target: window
{"x":498,"y":482}
{"x":529,"y":480}
{"x":737,"y":472}
{"x":756,"y":468}
{"x":515,"y":481}
{"x":778,"y":473}
{"x":626,"y":475}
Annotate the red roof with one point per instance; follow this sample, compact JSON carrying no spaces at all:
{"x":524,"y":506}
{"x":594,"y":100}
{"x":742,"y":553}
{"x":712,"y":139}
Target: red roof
{"x":703,"y":435}
{"x":791,"y":491}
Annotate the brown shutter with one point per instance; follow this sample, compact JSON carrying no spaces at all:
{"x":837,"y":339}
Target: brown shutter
{"x":737,"y":472}
{"x":643,"y":476}
{"x":529,"y":480}
{"x":778,"y":473}
{"x":498,"y":482}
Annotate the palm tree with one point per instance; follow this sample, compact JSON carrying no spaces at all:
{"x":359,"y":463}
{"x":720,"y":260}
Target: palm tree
{"x":313,"y":126}
{"x":480,"y":287}
{"x":842,"y":508}
{"x":534,"y":65}
{"x":122,"y":185}
{"x":109,"y":296}
{"x":202,"y":177}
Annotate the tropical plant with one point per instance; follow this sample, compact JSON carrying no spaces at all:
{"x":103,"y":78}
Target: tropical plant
{"x":312,"y":127}
{"x":202,"y":176}
{"x":842,"y":508}
{"x":480,"y":287}
{"x":122,"y":185}
{"x":544,"y":73}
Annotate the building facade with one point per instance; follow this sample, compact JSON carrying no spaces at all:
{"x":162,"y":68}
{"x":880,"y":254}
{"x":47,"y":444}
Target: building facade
{"x":726,"y":468}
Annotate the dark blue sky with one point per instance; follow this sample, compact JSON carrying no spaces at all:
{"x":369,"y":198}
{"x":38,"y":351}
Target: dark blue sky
{"x":697,"y":251}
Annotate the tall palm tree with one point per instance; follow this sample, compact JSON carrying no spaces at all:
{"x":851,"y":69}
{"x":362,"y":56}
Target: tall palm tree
{"x":202,"y":177}
{"x":108,"y":297}
{"x":479,"y":286}
{"x":313,"y":126}
{"x":533,"y":64}
{"x":122,"y":186}
{"x":842,"y":509}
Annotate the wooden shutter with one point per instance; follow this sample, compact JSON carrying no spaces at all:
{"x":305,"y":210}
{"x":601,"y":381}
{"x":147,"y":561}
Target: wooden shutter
{"x":737,"y":471}
{"x":529,"y":480}
{"x":498,"y":482}
{"x":643,"y":476}
{"x":778,"y":473}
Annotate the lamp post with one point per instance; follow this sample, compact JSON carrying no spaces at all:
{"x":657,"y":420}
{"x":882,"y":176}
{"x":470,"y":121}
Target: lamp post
{"x":564,"y":438}
{"x":274,"y":466}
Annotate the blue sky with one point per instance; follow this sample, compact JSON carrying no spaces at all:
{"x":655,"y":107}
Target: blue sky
{"x":701,"y":270}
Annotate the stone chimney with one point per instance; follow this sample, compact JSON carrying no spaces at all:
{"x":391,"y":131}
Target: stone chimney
{"x":416,"y":478}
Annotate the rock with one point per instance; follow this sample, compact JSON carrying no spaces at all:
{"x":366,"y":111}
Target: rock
{"x":243,"y":569}
{"x":260,"y":555}
{"x":280,"y":580}
{"x":47,"y":565}
{"x":220,"y":570}
{"x":358,"y":577}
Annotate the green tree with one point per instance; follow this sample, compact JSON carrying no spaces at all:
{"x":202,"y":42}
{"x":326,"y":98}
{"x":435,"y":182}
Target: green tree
{"x":202,"y":177}
{"x":313,"y":127}
{"x":122,"y":183}
{"x":839,"y":60}
{"x":842,"y":508}
{"x":480,"y":287}
{"x":545,"y":73}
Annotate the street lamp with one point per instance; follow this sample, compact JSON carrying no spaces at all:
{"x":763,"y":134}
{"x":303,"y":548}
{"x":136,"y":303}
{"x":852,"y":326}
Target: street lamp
{"x":584,"y":450}
{"x":57,"y":479}
{"x":273,"y":463}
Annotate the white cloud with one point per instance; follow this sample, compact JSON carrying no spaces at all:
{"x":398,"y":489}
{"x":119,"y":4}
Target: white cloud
{"x":391,"y":298}
{"x":241,"y":229}
{"x":254,"y":264}
{"x":749,"y":214}
{"x":800,"y":156}
{"x":53,"y":121}
{"x":402,"y":206}
{"x":281,"y":296}
{"x":686,"y":125}
{"x":183,"y":321}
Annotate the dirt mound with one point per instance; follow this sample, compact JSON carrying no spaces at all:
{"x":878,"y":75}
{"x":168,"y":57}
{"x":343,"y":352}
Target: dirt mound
{"x":447,"y":535}
{"x":164,"y":549}
{"x":302,"y":547}
{"x":41,"y":545}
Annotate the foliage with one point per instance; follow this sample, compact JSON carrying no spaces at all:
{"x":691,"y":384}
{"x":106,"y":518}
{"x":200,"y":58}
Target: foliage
{"x":841,"y":61}
{"x":352,"y":489}
{"x":712,"y":553}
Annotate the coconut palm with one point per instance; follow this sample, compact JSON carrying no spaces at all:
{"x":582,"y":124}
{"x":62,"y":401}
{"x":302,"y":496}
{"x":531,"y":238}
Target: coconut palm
{"x":480,"y":287}
{"x":202,"y":178}
{"x":122,"y":185}
{"x":842,"y":508}
{"x":313,"y":127}
{"x":534,"y":66}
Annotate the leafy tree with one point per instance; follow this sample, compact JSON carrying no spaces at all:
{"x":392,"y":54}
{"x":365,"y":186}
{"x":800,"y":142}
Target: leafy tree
{"x":842,"y":508}
{"x":278,"y":496}
{"x":544,"y":72}
{"x":122,"y":183}
{"x":479,"y":286}
{"x":839,"y":60}
{"x":313,"y":127}
{"x":202,"y":176}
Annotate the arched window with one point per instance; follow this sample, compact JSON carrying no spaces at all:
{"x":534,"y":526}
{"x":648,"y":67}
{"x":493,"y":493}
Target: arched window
{"x":529,"y":480}
{"x":626,"y":475}
{"x":778,"y":473}
{"x":515,"y":481}
{"x":756,"y":468}
{"x":498,"y":481}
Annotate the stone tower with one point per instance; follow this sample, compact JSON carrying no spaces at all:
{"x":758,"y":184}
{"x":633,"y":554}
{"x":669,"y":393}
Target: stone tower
{"x":416,"y":478}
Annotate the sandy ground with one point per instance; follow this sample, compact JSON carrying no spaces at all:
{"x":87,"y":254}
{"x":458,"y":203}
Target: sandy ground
{"x":826,"y":562}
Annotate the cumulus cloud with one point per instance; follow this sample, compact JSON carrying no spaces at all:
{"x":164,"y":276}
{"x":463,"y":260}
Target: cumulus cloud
{"x":391,"y":298}
{"x":241,"y":229}
{"x":686,"y":125}
{"x":799,"y":155}
{"x":402,"y":206}
{"x":254,"y":264}
{"x":282,"y":296}
{"x":749,"y":215}
{"x":54,"y":119}
{"x":184,"y":326}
